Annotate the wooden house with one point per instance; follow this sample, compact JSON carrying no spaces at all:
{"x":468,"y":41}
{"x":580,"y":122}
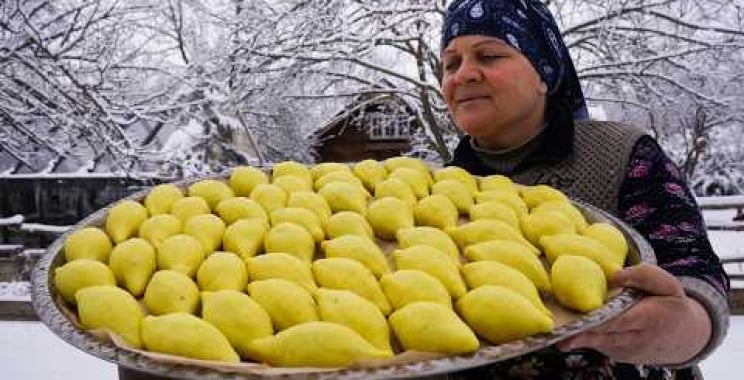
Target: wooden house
{"x":373,"y":126}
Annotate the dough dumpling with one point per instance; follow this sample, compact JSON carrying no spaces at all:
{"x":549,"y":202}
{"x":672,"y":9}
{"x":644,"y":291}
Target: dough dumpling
{"x":436,"y":211}
{"x":388,"y":215}
{"x":397,"y":188}
{"x":290,"y":238}
{"x":339,"y":176}
{"x":360,"y":249}
{"x":291,"y":168}
{"x":495,"y":210}
{"x":324,"y":168}
{"x":300,"y":216}
{"x":430,"y":236}
{"x":211,"y":190}
{"x":393,"y":163}
{"x":356,"y":312}
{"x":418,"y":182}
{"x":244,"y":178}
{"x":234,"y":209}
{"x":510,"y":199}
{"x":578,"y":283}
{"x":517,"y":317}
{"x":347,"y":274}
{"x":577,"y":245}
{"x":513,"y":255}
{"x":291,"y":183}
{"x":270,"y":197}
{"x":287,"y":303}
{"x":546,"y":223}
{"x":485,"y":230}
{"x":433,"y":262}
{"x":457,"y":192}
{"x":458,"y":174}
{"x":348,"y":223}
{"x":245,"y":237}
{"x":489,"y":272}
{"x":409,"y":285}
{"x":533,"y":196}
{"x":431,"y":327}
{"x":567,"y":209}
{"x":281,"y":265}
{"x":499,"y":183}
{"x":343,"y":196}
{"x":370,"y":172}
{"x":313,"y":202}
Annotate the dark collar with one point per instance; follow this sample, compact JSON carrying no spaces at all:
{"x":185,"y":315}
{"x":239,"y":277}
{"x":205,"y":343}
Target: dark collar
{"x":556,"y":144}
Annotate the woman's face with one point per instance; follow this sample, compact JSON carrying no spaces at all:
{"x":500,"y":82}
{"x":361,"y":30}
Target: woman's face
{"x":492,"y":91}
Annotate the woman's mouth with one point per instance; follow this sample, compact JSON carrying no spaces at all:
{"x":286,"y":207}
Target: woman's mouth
{"x":471,"y":98}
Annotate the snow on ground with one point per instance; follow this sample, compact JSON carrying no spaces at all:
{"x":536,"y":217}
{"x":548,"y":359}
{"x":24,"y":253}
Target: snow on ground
{"x":16,"y":290}
{"x":725,"y":363}
{"x":29,"y":351}
{"x":727,"y":244}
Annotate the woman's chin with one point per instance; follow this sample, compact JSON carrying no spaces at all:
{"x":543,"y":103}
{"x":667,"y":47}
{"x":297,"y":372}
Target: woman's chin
{"x":477,"y":130}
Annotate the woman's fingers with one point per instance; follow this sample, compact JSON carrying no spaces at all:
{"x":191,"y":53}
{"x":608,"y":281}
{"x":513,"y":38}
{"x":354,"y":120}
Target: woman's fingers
{"x":615,"y":345}
{"x":650,"y":279}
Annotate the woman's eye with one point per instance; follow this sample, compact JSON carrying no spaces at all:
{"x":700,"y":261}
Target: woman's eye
{"x":490,"y":57}
{"x":450,"y":66}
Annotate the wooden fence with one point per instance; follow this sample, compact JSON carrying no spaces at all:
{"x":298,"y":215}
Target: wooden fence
{"x":736,"y":223}
{"x":735,"y":202}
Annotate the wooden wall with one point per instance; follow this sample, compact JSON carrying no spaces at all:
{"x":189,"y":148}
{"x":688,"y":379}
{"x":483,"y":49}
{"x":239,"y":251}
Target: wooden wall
{"x":58,"y":201}
{"x":353,"y":144}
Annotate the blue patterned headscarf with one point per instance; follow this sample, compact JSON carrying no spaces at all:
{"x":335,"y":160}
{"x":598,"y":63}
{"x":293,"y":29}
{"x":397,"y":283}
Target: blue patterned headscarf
{"x":528,"y":26}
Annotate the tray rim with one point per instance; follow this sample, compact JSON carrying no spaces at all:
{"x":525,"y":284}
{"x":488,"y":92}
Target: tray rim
{"x":45,"y":305}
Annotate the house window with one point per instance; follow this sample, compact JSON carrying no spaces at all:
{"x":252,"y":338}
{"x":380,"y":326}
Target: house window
{"x":384,"y":126}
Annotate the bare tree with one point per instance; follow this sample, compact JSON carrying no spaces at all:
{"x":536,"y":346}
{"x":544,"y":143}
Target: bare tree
{"x":351,"y":48}
{"x":99,"y":80}
{"x":641,"y":60}
{"x":105,"y":78}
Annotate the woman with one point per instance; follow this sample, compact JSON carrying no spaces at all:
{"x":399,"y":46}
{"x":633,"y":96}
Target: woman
{"x":512,"y":89}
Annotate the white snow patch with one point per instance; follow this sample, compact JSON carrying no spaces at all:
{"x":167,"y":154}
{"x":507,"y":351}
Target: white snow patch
{"x":88,"y":167}
{"x":30,"y":351}
{"x":730,"y":201}
{"x":725,"y":362}
{"x":81,"y":175}
{"x":15,"y":290}
{"x":183,"y":139}
{"x":719,"y":217}
{"x":597,"y":112}
{"x":11,"y":221}
{"x":37,"y":227}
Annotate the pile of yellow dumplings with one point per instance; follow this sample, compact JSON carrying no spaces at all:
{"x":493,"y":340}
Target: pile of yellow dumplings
{"x":335,"y":264}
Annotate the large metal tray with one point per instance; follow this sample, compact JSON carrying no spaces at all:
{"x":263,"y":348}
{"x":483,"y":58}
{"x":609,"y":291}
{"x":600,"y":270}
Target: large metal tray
{"x":49,"y":308}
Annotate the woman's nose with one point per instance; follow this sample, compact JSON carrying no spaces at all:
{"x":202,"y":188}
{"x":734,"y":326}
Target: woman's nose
{"x":468,"y":72}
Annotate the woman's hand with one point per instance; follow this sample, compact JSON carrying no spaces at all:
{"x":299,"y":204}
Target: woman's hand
{"x":665,"y":327}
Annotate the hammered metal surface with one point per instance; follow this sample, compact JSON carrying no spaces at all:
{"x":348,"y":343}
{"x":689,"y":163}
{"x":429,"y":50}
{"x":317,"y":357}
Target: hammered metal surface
{"x":45,"y":299}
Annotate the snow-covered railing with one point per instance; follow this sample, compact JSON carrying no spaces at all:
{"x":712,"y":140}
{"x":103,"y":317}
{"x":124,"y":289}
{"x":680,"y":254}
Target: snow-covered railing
{"x":85,"y":175}
{"x":734,"y":269}
{"x":7,"y":250}
{"x":722,"y":203}
{"x":734,"y":202}
{"x":17,"y":221}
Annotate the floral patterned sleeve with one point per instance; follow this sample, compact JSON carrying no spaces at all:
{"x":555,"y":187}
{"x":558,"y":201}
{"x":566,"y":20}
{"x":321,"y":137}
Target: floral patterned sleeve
{"x":656,"y":200}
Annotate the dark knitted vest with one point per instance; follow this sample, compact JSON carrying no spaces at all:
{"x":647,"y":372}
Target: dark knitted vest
{"x":594,"y":169}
